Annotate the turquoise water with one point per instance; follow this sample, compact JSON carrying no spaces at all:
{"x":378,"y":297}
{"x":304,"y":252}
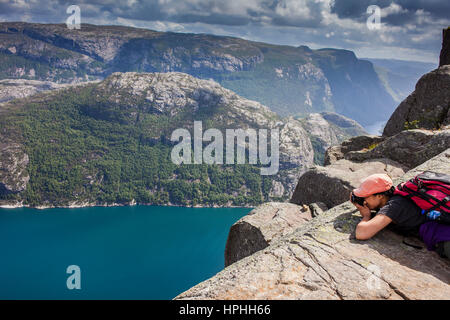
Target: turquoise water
{"x":139,"y":252}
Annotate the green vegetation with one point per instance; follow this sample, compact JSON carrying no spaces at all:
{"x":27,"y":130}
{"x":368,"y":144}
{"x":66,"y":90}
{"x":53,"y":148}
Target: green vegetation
{"x":373,"y":146}
{"x":319,"y":150}
{"x":83,"y":149}
{"x":411,"y":125}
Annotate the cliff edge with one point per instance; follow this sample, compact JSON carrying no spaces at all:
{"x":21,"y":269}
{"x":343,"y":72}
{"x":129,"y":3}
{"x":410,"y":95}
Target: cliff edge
{"x":322,"y":259}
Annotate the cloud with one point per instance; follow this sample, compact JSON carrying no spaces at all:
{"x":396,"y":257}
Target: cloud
{"x":405,"y":24}
{"x":393,"y":9}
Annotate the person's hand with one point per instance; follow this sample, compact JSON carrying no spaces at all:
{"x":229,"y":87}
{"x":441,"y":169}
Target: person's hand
{"x":364,"y":210}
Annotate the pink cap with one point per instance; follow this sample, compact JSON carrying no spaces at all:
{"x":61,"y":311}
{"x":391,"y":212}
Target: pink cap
{"x":374,"y":183}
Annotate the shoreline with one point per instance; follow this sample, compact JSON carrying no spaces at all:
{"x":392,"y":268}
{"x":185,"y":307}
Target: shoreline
{"x":76,"y":205}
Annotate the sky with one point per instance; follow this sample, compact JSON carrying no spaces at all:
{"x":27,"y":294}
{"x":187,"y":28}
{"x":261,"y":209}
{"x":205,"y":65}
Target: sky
{"x":406,"y":30}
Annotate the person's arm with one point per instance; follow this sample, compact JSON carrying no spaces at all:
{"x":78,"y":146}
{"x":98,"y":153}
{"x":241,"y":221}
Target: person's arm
{"x":367,"y":227}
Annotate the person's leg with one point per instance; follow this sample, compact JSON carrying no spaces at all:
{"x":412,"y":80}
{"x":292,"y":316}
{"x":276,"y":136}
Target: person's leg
{"x":443,"y":249}
{"x":447,"y":249}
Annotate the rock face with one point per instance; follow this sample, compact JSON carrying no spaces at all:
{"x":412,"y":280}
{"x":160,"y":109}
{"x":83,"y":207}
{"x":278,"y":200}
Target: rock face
{"x":428,"y":107}
{"x":328,"y":129}
{"x":20,"y":88}
{"x":262,"y":226}
{"x":316,"y":125}
{"x":357,"y":143}
{"x":445,"y":51}
{"x":323,"y":260}
{"x":409,"y":147}
{"x":13,"y":164}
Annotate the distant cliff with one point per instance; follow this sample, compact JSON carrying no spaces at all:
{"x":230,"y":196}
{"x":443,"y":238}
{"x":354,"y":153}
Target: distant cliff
{"x":289,"y":80}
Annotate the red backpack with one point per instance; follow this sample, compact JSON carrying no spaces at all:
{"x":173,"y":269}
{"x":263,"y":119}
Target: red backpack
{"x":430,"y":191}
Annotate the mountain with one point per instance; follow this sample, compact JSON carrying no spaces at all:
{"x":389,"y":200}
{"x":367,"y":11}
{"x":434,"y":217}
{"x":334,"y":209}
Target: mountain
{"x":289,"y":80}
{"x":328,"y":129}
{"x":400,"y":76}
{"x":109,"y":142}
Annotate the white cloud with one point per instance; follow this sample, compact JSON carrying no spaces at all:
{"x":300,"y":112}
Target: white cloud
{"x":393,"y":8}
{"x":293,"y":9}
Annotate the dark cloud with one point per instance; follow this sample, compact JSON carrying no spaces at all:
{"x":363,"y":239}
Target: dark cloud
{"x":355,"y":9}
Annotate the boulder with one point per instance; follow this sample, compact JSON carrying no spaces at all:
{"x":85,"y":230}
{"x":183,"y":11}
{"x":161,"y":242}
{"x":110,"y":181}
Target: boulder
{"x":322,"y":260}
{"x":261,"y":226}
{"x":333,"y":184}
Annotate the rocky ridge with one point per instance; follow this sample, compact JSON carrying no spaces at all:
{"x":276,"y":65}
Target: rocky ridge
{"x":11,"y":89}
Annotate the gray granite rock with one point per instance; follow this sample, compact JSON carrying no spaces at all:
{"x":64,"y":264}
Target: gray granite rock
{"x":317,"y":208}
{"x":333,"y":184}
{"x":362,"y":142}
{"x":262,"y":226}
{"x":409,"y":147}
{"x":13,"y":164}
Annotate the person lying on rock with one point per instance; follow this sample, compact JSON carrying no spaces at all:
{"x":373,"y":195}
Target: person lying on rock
{"x":403,"y":216}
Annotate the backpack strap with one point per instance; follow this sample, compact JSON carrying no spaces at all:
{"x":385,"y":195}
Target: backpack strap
{"x":443,"y":203}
